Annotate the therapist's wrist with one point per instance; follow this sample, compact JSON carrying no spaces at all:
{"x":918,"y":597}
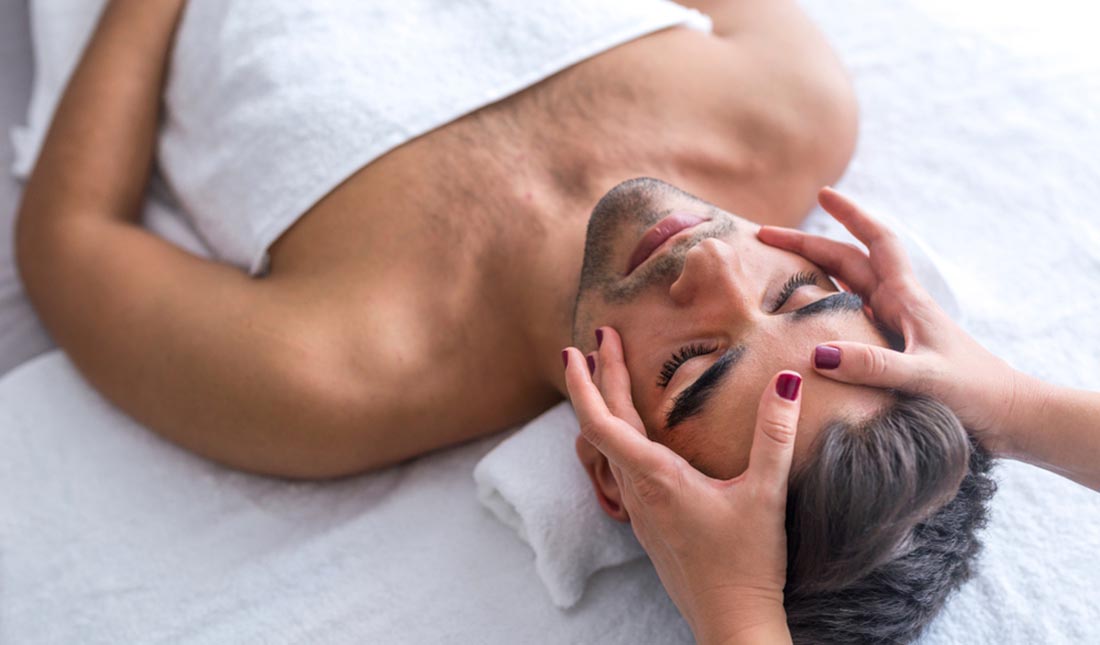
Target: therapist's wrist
{"x":744,"y":621}
{"x":774,"y":632}
{"x":1023,"y":419}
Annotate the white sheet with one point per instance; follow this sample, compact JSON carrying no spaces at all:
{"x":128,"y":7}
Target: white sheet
{"x":21,"y":335}
{"x":111,"y":535}
{"x":987,"y":151}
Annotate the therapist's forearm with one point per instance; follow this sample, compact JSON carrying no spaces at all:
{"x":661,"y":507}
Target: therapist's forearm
{"x":96,"y":158}
{"x":1058,"y":429}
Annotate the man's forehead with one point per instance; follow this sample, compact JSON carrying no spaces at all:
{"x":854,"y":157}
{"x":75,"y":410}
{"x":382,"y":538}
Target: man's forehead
{"x":718,"y":441}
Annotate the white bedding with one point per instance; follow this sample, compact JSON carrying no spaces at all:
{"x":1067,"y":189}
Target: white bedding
{"x":21,"y":335}
{"x":980,"y":135}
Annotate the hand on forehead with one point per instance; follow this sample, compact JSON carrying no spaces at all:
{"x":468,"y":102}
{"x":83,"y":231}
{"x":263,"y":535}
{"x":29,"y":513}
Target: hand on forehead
{"x":718,"y":441}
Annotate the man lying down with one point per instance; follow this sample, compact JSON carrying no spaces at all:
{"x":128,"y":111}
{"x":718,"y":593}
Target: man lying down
{"x":415,"y":246}
{"x":886,"y":489}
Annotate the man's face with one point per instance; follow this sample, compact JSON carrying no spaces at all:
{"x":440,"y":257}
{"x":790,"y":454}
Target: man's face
{"x":708,"y":318}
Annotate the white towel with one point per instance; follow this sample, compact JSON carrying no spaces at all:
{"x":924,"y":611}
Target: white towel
{"x":534,"y":483}
{"x":271,"y":105}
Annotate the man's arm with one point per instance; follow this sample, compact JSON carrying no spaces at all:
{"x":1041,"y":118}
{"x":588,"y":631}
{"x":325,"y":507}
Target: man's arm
{"x":193,"y":349}
{"x":96,"y":159}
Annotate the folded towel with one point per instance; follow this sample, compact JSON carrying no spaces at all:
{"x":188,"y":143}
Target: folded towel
{"x":534,"y":483}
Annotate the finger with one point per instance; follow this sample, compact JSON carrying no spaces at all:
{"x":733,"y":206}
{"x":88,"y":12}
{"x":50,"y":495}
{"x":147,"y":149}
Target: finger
{"x":776,"y":427}
{"x":590,"y":360}
{"x":845,"y":261}
{"x":862,"y":364}
{"x":614,"y":381}
{"x":887,"y":253}
{"x":624,"y":446}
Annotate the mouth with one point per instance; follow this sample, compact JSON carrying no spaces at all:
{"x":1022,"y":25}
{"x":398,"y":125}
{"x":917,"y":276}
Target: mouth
{"x":660,"y":233}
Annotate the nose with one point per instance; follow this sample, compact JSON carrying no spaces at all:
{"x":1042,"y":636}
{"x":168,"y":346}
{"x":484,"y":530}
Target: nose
{"x":713,"y":276}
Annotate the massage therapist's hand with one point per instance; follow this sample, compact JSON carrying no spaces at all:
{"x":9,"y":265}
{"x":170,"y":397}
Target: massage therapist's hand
{"x":719,"y":547}
{"x":940,"y":359}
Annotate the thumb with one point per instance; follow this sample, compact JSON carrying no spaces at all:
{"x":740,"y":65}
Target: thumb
{"x":776,"y":427}
{"x":864,"y":364}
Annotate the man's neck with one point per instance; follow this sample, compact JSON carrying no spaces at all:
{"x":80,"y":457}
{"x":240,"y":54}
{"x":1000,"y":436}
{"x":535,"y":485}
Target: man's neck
{"x":546,"y":292}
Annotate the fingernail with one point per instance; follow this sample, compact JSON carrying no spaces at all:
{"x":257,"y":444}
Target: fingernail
{"x":591,"y":360}
{"x":565,"y":358}
{"x":787,"y":386}
{"x":599,"y":337}
{"x":826,"y":357}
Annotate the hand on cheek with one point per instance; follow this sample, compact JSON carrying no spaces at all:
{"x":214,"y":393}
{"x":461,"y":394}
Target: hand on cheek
{"x":718,"y":546}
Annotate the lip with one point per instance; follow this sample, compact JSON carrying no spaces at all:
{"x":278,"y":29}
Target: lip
{"x":660,"y":233}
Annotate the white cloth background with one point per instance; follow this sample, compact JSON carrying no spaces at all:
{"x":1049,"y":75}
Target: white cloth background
{"x":979,"y":132}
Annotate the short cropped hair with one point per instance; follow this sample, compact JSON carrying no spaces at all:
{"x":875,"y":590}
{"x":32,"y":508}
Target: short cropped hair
{"x":882,"y":524}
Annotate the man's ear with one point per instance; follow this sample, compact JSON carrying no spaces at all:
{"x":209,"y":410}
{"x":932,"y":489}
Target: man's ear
{"x":603,"y":481}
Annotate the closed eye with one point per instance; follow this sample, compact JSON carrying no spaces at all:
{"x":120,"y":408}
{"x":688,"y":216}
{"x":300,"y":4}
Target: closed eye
{"x":793,"y":283}
{"x":686,"y":353}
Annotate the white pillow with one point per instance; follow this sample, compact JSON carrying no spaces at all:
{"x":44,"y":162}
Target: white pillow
{"x":534,"y":484}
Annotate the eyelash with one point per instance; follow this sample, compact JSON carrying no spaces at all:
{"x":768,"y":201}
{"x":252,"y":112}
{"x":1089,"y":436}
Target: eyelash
{"x":685,"y":354}
{"x":688,"y":352}
{"x":800,"y":279}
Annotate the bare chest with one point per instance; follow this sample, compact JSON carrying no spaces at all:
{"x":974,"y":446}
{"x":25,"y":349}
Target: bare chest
{"x":470,"y":238}
{"x":528,"y":167}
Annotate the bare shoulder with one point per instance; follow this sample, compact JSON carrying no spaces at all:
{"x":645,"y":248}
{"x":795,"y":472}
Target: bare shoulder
{"x":782,"y":66}
{"x":766,"y":108}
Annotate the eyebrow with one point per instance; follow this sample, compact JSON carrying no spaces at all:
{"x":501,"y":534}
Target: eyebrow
{"x":694,"y":398}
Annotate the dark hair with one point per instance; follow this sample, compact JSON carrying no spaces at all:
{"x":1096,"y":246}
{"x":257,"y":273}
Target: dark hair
{"x":881,"y":524}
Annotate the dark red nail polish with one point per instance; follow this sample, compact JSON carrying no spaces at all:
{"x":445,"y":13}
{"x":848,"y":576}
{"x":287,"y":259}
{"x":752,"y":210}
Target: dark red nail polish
{"x":826,"y":357}
{"x":787,"y":386}
{"x":591,"y":360}
{"x":565,"y":357}
{"x":599,"y":337}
